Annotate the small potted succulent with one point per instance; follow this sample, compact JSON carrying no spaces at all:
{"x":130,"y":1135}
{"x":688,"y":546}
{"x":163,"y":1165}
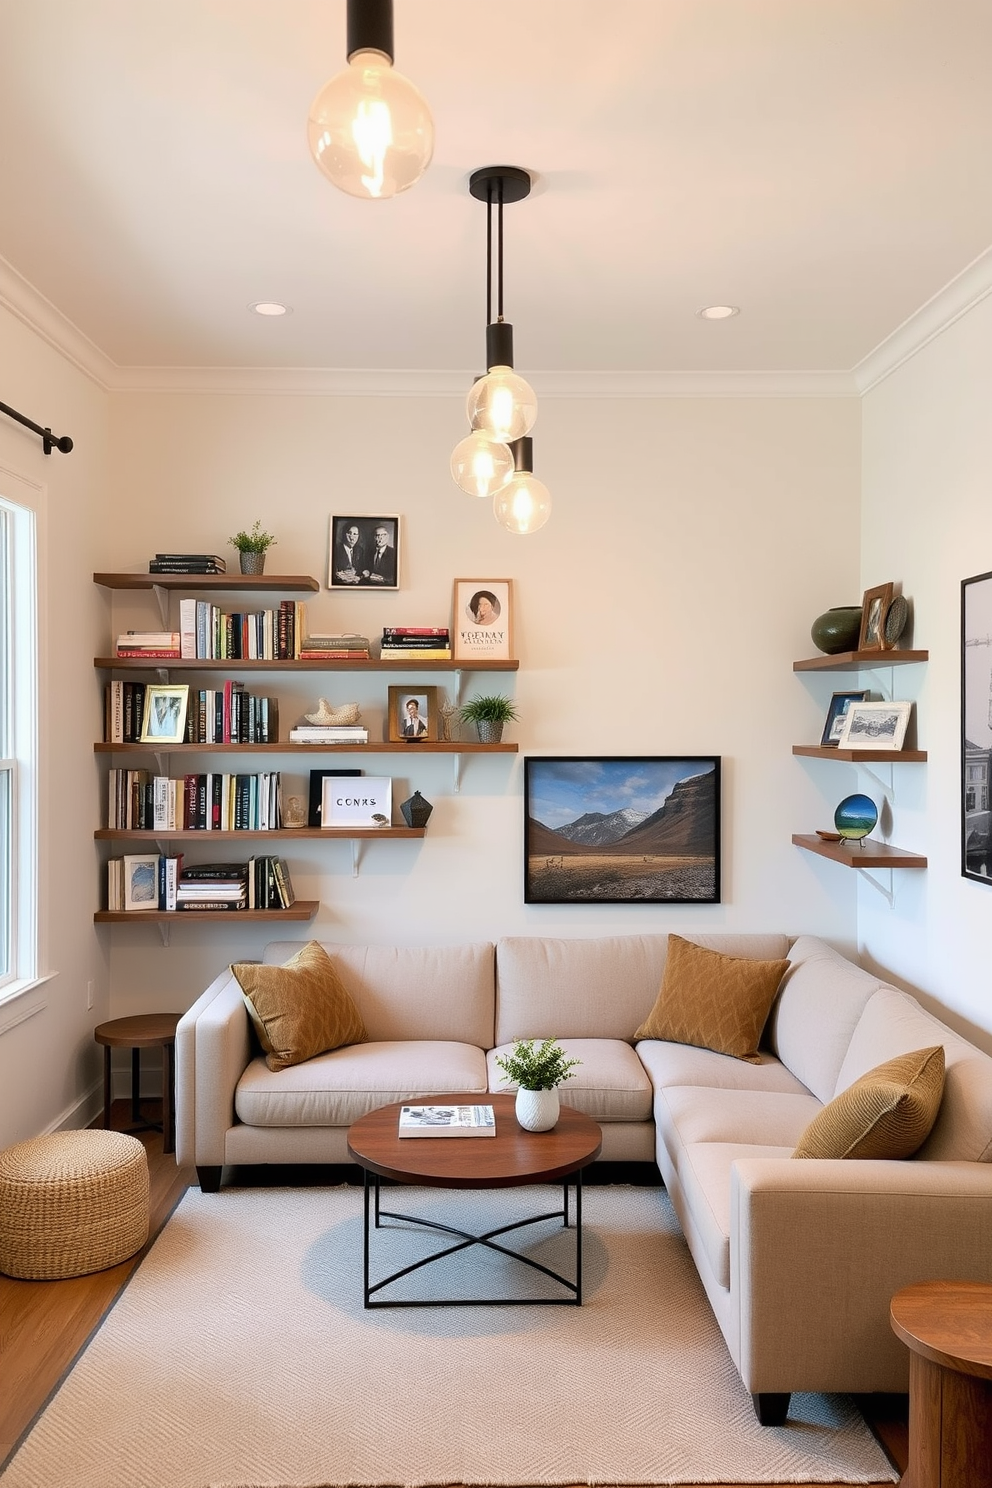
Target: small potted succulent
{"x":537,"y":1070}
{"x":489,"y":714}
{"x":252,"y":547}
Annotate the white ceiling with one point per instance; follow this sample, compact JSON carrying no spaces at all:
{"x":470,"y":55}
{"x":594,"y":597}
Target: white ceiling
{"x":824,"y":164}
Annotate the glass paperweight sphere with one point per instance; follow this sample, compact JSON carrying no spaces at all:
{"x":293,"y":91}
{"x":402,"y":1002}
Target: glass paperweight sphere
{"x":855,"y":817}
{"x":480,"y":465}
{"x":502,"y":405}
{"x":523,"y":505}
{"x":370,"y":130}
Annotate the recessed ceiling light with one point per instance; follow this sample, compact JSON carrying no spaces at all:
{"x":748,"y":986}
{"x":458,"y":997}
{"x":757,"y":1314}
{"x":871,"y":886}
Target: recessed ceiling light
{"x":718,"y":312}
{"x":270,"y":307}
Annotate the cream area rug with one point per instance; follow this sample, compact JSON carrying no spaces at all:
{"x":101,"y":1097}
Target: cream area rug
{"x":240,"y":1354}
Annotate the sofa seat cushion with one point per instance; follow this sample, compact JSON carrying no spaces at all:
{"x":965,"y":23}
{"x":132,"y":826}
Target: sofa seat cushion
{"x":336,"y":1089}
{"x":712,"y":1000}
{"x":610,"y":1084}
{"x":682,"y":1064}
{"x":704,"y":1172}
{"x":766,"y":1117}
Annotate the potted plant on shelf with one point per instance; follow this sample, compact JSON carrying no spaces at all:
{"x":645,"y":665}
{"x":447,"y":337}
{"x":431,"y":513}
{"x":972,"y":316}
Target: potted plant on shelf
{"x":252,"y":546}
{"x":489,"y":714}
{"x":537,"y":1070}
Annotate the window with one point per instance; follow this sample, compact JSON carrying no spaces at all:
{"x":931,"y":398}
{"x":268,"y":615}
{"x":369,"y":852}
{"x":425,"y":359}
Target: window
{"x":18,"y":748}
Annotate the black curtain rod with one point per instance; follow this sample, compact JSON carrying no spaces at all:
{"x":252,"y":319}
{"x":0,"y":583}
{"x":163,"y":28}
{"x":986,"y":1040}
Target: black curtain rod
{"x":48,"y":439}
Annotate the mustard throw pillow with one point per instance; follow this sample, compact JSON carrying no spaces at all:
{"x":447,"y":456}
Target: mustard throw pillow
{"x":713,"y":1001}
{"x":886,"y":1113}
{"x":300,"y":1009}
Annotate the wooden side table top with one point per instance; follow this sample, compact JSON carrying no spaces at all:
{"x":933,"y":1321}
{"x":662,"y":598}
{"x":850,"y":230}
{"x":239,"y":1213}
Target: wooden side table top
{"x":513,"y":1156}
{"x":948,"y":1322}
{"x":143,"y":1031}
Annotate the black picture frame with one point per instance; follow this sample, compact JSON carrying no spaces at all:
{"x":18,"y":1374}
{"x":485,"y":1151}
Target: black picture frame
{"x":837,"y":712}
{"x":645,"y":829}
{"x":317,"y":778}
{"x":355,"y":566}
{"x":976,"y":728}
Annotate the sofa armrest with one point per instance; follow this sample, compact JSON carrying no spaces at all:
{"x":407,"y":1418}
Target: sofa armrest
{"x":818,"y":1249}
{"x":213,"y":1048}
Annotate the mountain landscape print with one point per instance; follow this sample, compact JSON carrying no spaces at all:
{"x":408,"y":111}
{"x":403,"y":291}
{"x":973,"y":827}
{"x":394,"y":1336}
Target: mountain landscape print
{"x":612,"y":830}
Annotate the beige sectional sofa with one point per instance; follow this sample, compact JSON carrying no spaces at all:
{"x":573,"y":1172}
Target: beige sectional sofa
{"x":799,"y":1258}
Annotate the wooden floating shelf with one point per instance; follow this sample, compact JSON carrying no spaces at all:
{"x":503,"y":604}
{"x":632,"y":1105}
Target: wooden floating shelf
{"x":302,"y":909}
{"x":423,"y":746}
{"x":846,"y":661}
{"x":861,"y":756}
{"x":871,"y":855}
{"x":252,"y":664}
{"x":194,"y":834}
{"x":287,"y":582}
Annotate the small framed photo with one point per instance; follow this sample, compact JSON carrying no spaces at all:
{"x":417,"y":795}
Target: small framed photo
{"x":874,"y":608}
{"x":364,"y":553}
{"x":367,"y":802}
{"x":875,"y":725}
{"x":164,"y":718}
{"x":141,"y":881}
{"x":413,"y":715}
{"x":837,"y":712}
{"x":316,"y":801}
{"x":482,"y":622}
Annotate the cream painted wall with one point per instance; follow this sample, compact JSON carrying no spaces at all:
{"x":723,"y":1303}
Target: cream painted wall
{"x":691,"y":544}
{"x":926,"y":480}
{"x":49,"y":1069}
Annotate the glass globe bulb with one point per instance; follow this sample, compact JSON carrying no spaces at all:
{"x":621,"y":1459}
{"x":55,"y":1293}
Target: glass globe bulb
{"x":502,"y":405}
{"x":523,"y":505}
{"x":480,"y":465}
{"x":370,"y":130}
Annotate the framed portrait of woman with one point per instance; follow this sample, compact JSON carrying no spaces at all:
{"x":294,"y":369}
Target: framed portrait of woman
{"x":482,"y":620}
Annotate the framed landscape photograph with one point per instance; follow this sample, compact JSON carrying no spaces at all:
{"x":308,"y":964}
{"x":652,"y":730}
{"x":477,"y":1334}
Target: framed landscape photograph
{"x":413,"y":714}
{"x":141,"y":881}
{"x":164,"y":718}
{"x":364,"y":553}
{"x":482,"y":620}
{"x":837,"y":712}
{"x":633,"y":830}
{"x":367,"y":802}
{"x":875,"y":725}
{"x":976,"y":728}
{"x":874,"y":608}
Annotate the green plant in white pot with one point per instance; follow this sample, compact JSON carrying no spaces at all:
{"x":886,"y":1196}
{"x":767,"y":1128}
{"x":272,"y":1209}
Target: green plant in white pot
{"x":252,"y":547}
{"x":489,"y":714}
{"x":537,"y":1070}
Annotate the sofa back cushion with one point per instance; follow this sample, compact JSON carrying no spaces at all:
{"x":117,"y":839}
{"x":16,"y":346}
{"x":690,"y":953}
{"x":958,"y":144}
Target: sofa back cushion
{"x":414,"y":992}
{"x":894,"y":1023}
{"x":816,"y":1012}
{"x":601,"y":988}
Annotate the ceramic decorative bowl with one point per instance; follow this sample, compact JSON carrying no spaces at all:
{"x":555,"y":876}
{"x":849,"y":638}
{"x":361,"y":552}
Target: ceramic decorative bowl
{"x":855,"y":817}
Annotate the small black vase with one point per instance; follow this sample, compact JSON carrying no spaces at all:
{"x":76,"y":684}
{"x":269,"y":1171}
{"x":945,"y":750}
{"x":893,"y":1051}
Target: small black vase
{"x":838,"y":630}
{"x":416,"y":810}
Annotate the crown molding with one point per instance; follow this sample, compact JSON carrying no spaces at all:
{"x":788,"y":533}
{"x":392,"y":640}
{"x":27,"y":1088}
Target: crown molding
{"x":31,"y":307}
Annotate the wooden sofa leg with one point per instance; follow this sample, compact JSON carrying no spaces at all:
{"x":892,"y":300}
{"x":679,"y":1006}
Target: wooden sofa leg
{"x":209,"y":1179}
{"x":771,"y":1409}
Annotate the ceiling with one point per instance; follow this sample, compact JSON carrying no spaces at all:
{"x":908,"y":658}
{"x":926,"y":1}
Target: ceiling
{"x":822,"y":164}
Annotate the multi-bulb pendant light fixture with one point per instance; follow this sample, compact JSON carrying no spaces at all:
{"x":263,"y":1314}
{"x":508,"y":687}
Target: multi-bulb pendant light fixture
{"x":370,"y":130}
{"x":496,"y":458}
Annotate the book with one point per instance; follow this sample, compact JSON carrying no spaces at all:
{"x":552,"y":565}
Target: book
{"x":390,"y":653}
{"x":219,"y":562}
{"x":447,"y":1121}
{"x":415,"y":630}
{"x":184,"y":568}
{"x":306,"y":655}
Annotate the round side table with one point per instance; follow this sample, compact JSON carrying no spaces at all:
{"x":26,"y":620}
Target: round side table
{"x":144,"y":1031}
{"x":947,"y":1325}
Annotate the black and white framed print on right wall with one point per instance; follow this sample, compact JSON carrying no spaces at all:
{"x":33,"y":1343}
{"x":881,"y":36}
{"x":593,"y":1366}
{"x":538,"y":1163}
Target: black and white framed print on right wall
{"x":976,"y":727}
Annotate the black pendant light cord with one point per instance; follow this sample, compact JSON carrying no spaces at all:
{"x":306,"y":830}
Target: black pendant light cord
{"x":49,"y":440}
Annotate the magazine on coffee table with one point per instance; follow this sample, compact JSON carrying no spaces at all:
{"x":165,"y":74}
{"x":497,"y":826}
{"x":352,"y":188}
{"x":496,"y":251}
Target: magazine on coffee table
{"x":447,"y":1121}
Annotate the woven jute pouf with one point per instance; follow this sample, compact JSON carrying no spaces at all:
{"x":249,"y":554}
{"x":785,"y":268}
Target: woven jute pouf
{"x":72,"y":1203}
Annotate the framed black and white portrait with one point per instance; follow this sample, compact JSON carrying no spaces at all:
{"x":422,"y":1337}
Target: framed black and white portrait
{"x":364,"y":553}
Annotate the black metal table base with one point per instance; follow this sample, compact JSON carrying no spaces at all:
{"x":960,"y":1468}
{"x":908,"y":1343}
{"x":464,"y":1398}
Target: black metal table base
{"x":375,"y":1214}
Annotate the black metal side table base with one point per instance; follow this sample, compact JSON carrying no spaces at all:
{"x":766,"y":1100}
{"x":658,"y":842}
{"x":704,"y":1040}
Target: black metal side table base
{"x":374,"y":1214}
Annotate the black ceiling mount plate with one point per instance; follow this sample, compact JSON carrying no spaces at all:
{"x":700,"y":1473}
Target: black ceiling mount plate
{"x":516,"y":182}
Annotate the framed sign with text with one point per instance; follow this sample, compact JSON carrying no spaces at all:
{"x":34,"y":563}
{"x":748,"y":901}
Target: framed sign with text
{"x":482,"y":620}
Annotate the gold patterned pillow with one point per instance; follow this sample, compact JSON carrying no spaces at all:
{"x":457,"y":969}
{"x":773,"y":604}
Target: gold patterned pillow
{"x":713,"y":1001}
{"x":888,"y":1112}
{"x":300,"y":1009}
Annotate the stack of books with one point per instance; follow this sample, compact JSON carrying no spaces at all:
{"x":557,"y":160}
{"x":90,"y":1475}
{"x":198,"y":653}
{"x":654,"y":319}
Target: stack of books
{"x":149,"y":643}
{"x":329,"y":733}
{"x":326,"y":646}
{"x":188,"y":563}
{"x":415,"y":643}
{"x":213,"y":886}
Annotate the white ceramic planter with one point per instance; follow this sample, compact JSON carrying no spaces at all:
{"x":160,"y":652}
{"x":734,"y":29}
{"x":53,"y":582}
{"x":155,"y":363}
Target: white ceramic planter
{"x":537,"y":1110}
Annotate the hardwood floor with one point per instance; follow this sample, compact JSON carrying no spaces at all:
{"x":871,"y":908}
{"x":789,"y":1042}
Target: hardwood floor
{"x":45,"y":1324}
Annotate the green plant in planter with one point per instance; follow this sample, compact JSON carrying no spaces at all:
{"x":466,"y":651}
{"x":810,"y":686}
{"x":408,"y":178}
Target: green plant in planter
{"x":489,"y":714}
{"x":255,"y":541}
{"x":535,"y":1066}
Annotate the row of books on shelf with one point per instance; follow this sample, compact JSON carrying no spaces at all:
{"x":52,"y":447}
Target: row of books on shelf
{"x":214,"y":715}
{"x":191,"y":563}
{"x":143,"y":802}
{"x":154,"y":881}
{"x":208,"y":633}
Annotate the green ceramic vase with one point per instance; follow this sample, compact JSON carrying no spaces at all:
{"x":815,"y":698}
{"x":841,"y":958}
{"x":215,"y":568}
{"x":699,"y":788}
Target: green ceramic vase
{"x":837,"y":630}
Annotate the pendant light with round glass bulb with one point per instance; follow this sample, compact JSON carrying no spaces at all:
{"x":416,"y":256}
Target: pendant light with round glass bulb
{"x":370,"y":130}
{"x":524,"y":503}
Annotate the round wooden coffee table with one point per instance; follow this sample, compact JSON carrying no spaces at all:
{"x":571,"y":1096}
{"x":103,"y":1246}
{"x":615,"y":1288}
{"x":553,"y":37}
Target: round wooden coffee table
{"x":510,"y":1159}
